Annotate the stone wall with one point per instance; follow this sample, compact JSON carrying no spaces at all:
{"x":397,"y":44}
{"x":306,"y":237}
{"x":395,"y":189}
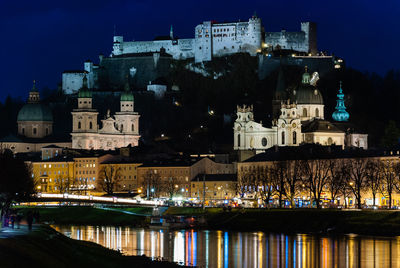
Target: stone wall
{"x":113,"y":71}
{"x":267,"y":64}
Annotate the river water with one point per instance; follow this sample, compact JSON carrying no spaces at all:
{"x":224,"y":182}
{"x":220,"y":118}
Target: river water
{"x":243,"y":249}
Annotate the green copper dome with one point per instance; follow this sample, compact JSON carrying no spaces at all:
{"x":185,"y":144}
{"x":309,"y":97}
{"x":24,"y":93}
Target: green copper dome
{"x":35,"y":112}
{"x":127,"y":95}
{"x":84,"y":92}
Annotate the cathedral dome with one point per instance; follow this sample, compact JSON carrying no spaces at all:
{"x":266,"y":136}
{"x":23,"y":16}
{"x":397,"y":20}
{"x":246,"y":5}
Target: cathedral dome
{"x":35,"y":112}
{"x":307,"y":93}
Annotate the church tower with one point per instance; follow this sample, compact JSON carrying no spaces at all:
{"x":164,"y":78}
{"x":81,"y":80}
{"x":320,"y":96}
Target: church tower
{"x":127,"y":120}
{"x":289,"y":125}
{"x":340,"y":114}
{"x":84,"y":120}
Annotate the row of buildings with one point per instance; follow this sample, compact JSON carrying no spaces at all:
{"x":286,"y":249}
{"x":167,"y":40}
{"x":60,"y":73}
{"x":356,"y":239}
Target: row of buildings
{"x":209,"y":178}
{"x":81,"y":171}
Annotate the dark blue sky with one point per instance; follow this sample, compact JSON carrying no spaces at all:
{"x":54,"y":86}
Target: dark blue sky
{"x":39,"y":39}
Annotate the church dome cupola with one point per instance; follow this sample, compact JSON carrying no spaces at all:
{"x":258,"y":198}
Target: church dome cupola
{"x":307,"y":93}
{"x":35,"y":120}
{"x":84,"y":92}
{"x":340,"y":114}
{"x":127,"y":95}
{"x":306,"y":77}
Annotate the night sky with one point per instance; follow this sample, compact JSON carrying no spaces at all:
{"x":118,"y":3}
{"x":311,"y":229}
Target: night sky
{"x":40,"y":39}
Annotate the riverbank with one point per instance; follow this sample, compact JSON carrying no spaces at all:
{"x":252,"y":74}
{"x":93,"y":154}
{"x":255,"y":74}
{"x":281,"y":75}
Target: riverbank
{"x":88,"y":215}
{"x":315,"y":221}
{"x":44,"y":247}
{"x":323,"y":221}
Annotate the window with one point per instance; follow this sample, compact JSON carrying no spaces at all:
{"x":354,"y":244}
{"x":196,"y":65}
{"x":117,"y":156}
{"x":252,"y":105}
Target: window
{"x":330,"y":141}
{"x":238,"y":140}
{"x":283,"y":137}
{"x":34,"y":131}
{"x":294,"y":137}
{"x":264,"y":142}
{"x":90,"y":125}
{"x":122,"y":128}
{"x":132,"y":127}
{"x":23,"y":131}
{"x":304,"y":112}
{"x":79,"y":125}
{"x":316,"y":112}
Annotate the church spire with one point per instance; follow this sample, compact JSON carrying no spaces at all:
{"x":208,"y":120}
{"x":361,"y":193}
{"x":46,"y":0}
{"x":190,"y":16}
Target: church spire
{"x":34,"y":96}
{"x":84,"y":92}
{"x":340,"y":114}
{"x":34,"y":86}
{"x":171,"y":32}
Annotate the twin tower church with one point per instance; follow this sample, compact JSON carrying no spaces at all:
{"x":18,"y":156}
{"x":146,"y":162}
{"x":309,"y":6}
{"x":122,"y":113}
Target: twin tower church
{"x":298,"y":118}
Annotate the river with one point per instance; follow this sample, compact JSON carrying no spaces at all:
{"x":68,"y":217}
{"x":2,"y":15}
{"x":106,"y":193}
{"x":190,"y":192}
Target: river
{"x":243,"y":249}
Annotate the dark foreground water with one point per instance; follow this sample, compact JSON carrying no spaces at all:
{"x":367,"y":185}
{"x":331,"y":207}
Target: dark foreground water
{"x":244,"y":249}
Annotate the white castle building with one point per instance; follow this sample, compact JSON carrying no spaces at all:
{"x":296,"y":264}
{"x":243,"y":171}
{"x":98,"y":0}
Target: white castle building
{"x":300,"y":120}
{"x":211,"y":39}
{"x":117,"y":131}
{"x":219,"y":39}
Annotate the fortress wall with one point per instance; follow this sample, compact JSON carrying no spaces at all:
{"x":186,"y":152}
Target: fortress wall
{"x":113,"y":71}
{"x":267,"y":65}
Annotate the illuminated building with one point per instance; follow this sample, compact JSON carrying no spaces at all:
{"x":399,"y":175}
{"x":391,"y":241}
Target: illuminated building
{"x":214,"y":186}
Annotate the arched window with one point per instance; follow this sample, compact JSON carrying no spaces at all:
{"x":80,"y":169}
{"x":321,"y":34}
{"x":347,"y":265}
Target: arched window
{"x":79,"y":125}
{"x":283,"y":137}
{"x":132,"y":127}
{"x":264,"y":142}
{"x":90,"y":125}
{"x":122,"y":127}
{"x":34,"y":131}
{"x":238,"y":140}
{"x":304,"y":112}
{"x":316,"y":112}
{"x":294,"y":137}
{"x":330,"y":141}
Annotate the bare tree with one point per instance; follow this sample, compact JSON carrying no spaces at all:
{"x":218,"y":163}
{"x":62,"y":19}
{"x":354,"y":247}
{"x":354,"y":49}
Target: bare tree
{"x":265,"y":185}
{"x":358,"y":177}
{"x":63,"y":184}
{"x":292,"y":180}
{"x":109,"y":177}
{"x":278,"y":175}
{"x":389,"y":179}
{"x":247,"y":182}
{"x":171,"y":187}
{"x":316,"y":174}
{"x":374,"y":177}
{"x":152,"y":184}
{"x":337,"y":179}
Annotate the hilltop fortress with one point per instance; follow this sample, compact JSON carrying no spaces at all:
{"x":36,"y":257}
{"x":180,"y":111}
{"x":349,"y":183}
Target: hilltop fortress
{"x":214,"y":39}
{"x":145,"y":61}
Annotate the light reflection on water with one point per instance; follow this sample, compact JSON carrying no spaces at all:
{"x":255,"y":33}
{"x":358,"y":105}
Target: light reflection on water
{"x":243,"y":249}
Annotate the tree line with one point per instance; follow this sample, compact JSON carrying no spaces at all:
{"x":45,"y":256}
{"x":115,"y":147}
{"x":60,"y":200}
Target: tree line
{"x":318,"y":178}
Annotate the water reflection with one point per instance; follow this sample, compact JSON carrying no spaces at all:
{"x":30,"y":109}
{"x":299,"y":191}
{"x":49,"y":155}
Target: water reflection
{"x":243,"y":249}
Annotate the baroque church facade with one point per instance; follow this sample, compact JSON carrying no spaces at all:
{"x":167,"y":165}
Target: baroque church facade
{"x":298,"y":118}
{"x":119,"y":130}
